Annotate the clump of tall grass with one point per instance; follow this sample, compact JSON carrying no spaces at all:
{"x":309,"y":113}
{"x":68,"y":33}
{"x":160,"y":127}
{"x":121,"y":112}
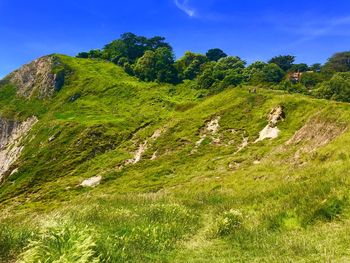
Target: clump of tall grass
{"x":227,"y":223}
{"x":155,"y":231}
{"x":61,"y":244}
{"x":12,"y":240}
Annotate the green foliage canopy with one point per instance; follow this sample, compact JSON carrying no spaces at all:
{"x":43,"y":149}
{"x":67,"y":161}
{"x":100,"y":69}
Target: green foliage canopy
{"x":284,"y":62}
{"x":215,"y":54}
{"x":339,"y":62}
{"x":337,"y":88}
{"x":189,"y":66}
{"x":156,"y":65}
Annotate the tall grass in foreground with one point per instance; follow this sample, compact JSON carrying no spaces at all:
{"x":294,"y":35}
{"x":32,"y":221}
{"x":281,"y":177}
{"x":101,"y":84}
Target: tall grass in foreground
{"x":134,"y":229}
{"x":144,"y":232}
{"x":65,"y":243}
{"x":13,"y":238}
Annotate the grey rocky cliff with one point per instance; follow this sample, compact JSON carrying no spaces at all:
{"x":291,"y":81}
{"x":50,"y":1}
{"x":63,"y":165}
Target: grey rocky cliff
{"x":39,"y":78}
{"x":6,"y":128}
{"x":12,"y":134}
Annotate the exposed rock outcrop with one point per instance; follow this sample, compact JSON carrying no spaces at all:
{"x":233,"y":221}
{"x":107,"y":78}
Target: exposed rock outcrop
{"x":142,"y":148}
{"x":276,"y":115}
{"x":40,"y":78}
{"x":316,"y":133}
{"x":6,"y":128}
{"x":11,"y":135}
{"x":271,"y":130}
{"x":211,"y":129}
{"x":91,"y":182}
{"x":243,"y":144}
{"x":138,"y":153}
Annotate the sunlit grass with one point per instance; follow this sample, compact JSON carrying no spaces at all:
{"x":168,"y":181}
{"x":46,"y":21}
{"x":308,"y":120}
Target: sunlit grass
{"x":215,"y":204}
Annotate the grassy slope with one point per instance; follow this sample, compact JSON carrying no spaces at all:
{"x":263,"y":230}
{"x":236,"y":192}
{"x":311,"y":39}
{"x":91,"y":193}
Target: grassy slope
{"x":170,"y":209}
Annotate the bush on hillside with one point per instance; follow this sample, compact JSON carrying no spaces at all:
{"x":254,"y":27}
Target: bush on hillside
{"x":229,"y":222}
{"x":311,"y":79}
{"x":338,"y":88}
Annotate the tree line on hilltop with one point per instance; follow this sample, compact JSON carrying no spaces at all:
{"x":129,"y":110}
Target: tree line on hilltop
{"x":153,"y":59}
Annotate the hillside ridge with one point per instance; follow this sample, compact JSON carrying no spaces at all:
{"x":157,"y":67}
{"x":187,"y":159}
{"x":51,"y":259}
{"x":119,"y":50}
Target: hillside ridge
{"x":145,"y":171}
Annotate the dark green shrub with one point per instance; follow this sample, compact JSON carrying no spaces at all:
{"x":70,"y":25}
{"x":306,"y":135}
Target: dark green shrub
{"x":329,"y":210}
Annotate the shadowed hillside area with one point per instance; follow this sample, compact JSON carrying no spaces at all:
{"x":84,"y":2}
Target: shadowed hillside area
{"x":100,"y":164}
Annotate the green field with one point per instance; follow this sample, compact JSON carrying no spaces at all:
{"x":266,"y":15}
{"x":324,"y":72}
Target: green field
{"x":277,"y":200}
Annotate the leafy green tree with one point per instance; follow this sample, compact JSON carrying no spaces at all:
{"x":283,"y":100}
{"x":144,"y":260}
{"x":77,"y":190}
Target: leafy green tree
{"x":157,"y":42}
{"x":115,"y":50}
{"x":129,"y":68}
{"x":136,"y":46}
{"x":339,"y":62}
{"x":337,"y":88}
{"x":284,"y":62}
{"x":215,"y":54}
{"x":94,"y":53}
{"x":260,"y":72}
{"x":232,"y":78}
{"x":129,"y":46}
{"x":231,"y":63}
{"x":206,"y":78}
{"x":252,"y":72}
{"x":272,"y":73}
{"x":302,"y":67}
{"x":145,"y":66}
{"x":83,"y":55}
{"x":311,"y":79}
{"x":189,"y":66}
{"x":222,"y":74}
{"x":164,"y":67}
{"x":316,"y":67}
{"x":122,"y":61}
{"x":156,"y":65}
{"x":258,"y":65}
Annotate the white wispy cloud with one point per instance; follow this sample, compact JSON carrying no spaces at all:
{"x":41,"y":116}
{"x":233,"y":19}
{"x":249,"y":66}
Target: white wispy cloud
{"x":327,"y":27}
{"x":183,"y":5}
{"x":306,"y":30}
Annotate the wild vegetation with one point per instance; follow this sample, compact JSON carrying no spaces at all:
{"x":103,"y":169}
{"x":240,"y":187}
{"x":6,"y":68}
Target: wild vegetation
{"x":185,"y":175}
{"x":152,"y":59}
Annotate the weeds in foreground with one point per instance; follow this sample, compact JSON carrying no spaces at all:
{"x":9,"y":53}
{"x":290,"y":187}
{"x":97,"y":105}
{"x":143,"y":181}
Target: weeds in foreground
{"x":96,"y":234}
{"x":61,"y":244}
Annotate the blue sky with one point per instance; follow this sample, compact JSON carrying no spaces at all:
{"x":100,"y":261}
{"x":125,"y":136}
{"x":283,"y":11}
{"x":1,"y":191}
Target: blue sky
{"x":252,"y":29}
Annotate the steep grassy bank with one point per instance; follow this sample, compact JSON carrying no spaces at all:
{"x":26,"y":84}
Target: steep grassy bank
{"x":184,"y":178}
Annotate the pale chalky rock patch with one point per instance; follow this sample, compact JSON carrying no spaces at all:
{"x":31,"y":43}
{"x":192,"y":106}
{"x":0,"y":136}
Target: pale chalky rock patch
{"x":92,"y":182}
{"x":268,"y":133}
{"x":271,"y":131}
{"x":142,"y":148}
{"x":243,"y":144}
{"x":212,"y":127}
{"x":138,"y":154}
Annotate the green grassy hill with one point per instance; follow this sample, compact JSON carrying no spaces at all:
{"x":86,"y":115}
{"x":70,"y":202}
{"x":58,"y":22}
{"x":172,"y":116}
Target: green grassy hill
{"x":184,"y":176}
